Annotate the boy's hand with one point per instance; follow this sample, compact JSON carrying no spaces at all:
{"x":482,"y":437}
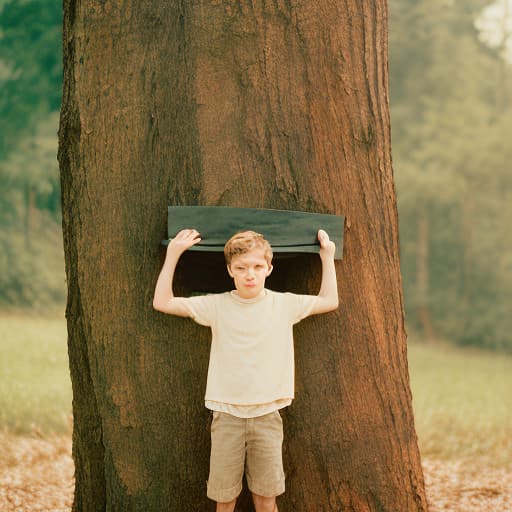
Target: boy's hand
{"x":327,"y":246}
{"x":327,"y":299}
{"x":185,"y":239}
{"x":164,"y":299}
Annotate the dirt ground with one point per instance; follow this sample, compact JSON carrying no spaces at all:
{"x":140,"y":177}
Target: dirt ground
{"x":36,"y":474}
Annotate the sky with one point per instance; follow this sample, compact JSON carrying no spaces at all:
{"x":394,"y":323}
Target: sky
{"x":495,"y":26}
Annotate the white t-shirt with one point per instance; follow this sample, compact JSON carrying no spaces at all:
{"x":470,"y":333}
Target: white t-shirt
{"x":251,"y":369}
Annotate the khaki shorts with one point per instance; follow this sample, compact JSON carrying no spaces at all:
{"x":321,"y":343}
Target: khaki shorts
{"x":253,"y":445}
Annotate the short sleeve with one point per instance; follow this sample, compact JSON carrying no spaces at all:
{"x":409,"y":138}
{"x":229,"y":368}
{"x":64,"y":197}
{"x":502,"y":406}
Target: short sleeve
{"x":201,"y":308}
{"x":300,"y":306}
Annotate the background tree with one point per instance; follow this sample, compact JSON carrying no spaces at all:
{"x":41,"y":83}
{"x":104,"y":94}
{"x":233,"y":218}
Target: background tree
{"x":446,"y":84}
{"x":30,"y":66}
{"x":219,"y":103}
{"x":31,"y":261}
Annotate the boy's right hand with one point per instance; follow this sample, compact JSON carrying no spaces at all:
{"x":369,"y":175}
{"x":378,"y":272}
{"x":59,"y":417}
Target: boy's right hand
{"x":327,"y":246}
{"x":185,"y":239}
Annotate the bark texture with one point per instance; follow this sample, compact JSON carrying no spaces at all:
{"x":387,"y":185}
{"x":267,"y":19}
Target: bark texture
{"x":280,"y":104}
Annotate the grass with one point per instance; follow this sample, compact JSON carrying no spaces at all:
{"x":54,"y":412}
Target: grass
{"x":35,"y":386}
{"x":462,"y":398}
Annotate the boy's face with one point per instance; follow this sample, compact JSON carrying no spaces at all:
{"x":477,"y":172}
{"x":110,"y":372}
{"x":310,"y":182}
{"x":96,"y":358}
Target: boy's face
{"x":249,"y":272}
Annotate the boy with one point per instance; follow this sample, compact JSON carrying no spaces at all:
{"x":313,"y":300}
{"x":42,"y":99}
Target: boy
{"x":251,"y":369}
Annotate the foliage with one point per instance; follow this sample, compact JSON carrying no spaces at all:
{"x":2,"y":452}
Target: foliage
{"x":450,"y":153}
{"x":31,"y":250}
{"x":30,"y":66}
{"x":31,"y":260}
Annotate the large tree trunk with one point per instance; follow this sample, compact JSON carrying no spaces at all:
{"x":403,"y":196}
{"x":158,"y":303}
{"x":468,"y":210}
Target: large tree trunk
{"x":262,"y":104}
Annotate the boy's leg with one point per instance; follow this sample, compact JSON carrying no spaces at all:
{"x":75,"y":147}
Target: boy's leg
{"x":226,"y":507}
{"x":264,"y":504}
{"x":226,"y":460}
{"x":264,"y":461}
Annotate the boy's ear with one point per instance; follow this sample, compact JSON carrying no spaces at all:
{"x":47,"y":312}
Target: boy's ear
{"x":270,"y":268}
{"x":229,"y":270}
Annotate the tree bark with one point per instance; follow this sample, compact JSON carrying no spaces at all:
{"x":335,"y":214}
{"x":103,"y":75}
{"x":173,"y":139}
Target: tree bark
{"x":278,"y":104}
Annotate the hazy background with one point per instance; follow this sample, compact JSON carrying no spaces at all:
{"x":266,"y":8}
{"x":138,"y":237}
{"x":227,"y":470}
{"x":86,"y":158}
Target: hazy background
{"x":451,"y":112}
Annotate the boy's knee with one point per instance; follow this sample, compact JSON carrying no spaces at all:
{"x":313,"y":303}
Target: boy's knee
{"x":264,"y":504}
{"x":226,"y":507}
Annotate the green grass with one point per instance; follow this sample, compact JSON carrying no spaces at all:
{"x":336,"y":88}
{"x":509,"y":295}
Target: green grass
{"x":35,"y":386}
{"x":462,"y":398}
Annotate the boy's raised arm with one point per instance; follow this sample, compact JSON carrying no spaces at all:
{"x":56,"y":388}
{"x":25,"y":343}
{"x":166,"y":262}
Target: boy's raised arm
{"x":328,"y":295}
{"x":164,"y":299}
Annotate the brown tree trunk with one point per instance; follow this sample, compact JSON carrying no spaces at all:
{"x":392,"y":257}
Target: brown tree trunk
{"x":30,"y":207}
{"x":422,"y":274}
{"x":468,"y":216}
{"x":262,"y":104}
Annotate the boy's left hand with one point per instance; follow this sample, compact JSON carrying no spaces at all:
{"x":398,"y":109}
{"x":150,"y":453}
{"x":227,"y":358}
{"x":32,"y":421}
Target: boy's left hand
{"x":327,"y":246}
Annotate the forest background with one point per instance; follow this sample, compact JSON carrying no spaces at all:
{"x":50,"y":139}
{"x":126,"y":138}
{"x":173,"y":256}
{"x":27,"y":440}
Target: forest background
{"x":451,"y":109}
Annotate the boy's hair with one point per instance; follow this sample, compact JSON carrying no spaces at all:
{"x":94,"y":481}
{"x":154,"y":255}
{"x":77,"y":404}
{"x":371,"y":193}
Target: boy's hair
{"x":245,"y":241}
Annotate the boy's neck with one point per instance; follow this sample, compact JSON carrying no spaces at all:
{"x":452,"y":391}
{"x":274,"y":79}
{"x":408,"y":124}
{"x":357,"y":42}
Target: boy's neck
{"x":251,"y":297}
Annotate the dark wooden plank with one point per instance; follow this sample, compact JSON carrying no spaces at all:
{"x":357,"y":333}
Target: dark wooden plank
{"x":287,"y":231}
